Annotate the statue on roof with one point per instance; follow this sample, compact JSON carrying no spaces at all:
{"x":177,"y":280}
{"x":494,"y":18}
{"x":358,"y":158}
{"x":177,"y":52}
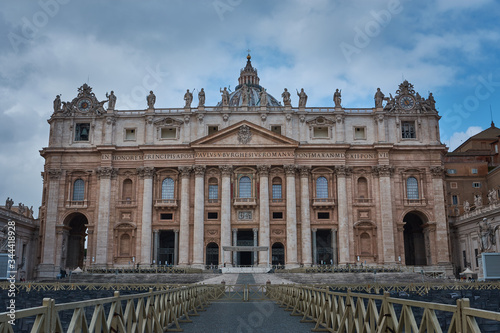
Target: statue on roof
{"x":337,"y":99}
{"x":478,"y":201}
{"x":391,"y":103}
{"x":111,"y":100}
{"x":466,"y":206}
{"x":151,"y":99}
{"x":286,"y":98}
{"x":225,"y":96}
{"x":486,"y":234}
{"x":379,"y":98}
{"x":201,"y":97}
{"x":263,"y":97}
{"x":244,"y":95}
{"x":8,"y":203}
{"x":188,"y":97}
{"x":302,"y":98}
{"x":57,"y":103}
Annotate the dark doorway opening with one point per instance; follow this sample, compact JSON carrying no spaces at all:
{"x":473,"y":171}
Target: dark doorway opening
{"x":324,"y":246}
{"x":76,"y":242}
{"x":414,"y":240}
{"x":212,"y":254}
{"x":278,"y":254}
{"x":245,"y":238}
{"x":167,"y":248}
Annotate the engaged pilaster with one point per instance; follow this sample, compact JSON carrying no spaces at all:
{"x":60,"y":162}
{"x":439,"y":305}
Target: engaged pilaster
{"x":184,"y":217}
{"x":291,"y":217}
{"x":344,"y":254}
{"x":305,"y":214}
{"x":104,"y":175}
{"x":147,"y":174}
{"x":384,"y":173}
{"x":199,"y":199}
{"x":264,"y":214}
{"x":225,"y":218}
{"x":443,"y":255}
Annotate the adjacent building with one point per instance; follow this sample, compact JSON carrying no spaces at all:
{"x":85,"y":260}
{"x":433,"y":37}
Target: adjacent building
{"x":313,"y":185}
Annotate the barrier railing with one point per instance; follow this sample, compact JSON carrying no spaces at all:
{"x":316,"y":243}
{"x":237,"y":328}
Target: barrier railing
{"x":154,"y":311}
{"x":353,"y":312}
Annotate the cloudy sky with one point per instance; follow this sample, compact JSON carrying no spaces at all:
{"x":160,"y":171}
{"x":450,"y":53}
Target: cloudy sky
{"x":50,"y":47}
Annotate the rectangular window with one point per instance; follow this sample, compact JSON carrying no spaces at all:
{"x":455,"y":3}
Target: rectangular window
{"x":213,"y":192}
{"x":451,"y":171}
{"x":130,"y":134}
{"x":454,"y":199}
{"x":212,"y":129}
{"x":476,"y":255}
{"x":212,"y":215}
{"x":277,"y":215}
{"x":82,"y":132}
{"x":166,"y":216}
{"x":168,"y":133}
{"x":276,"y":129}
{"x":464,"y":255}
{"x":276,"y":191}
{"x":476,"y":185}
{"x":453,"y":185}
{"x":320,"y":132}
{"x":408,"y":130}
{"x":474,"y":171}
{"x":323,"y":215}
{"x":359,"y":133}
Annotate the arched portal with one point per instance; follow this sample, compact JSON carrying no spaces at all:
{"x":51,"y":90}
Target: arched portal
{"x":414,"y":240}
{"x":74,"y":247}
{"x":278,"y":254}
{"x":212,"y":254}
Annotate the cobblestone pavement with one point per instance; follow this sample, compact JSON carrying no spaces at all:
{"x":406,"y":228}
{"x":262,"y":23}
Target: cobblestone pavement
{"x":233,"y":316}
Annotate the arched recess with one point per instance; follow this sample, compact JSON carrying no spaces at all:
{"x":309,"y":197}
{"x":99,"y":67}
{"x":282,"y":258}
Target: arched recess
{"x":74,"y":244}
{"x":212,"y":257}
{"x":415,"y":245}
{"x":365,"y":234}
{"x":278,"y":254}
{"x":124,"y":251}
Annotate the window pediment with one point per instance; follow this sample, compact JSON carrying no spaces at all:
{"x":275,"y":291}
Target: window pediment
{"x":320,"y":121}
{"x":168,"y":121}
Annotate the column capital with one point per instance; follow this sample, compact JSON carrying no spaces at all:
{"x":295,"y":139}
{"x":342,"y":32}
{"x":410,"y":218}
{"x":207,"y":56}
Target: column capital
{"x":255,"y":230}
{"x":199,"y":170}
{"x":155,"y":231}
{"x":106,"y":172}
{"x":343,"y":170}
{"x":314,"y":229}
{"x":176,"y":231}
{"x":305,"y":170}
{"x":235,"y":229}
{"x":226,"y":170}
{"x":185,"y":171}
{"x":54,"y":173}
{"x":382,"y":170}
{"x":334,"y":229}
{"x":437,"y":171}
{"x":146,"y":172}
{"x":263,"y":169}
{"x":290,"y":169}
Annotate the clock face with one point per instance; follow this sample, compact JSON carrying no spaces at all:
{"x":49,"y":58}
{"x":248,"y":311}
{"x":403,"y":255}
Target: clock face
{"x":84,"y":104}
{"x":407,"y":102}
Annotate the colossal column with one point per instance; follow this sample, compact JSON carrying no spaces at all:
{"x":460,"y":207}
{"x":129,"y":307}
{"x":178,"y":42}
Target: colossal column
{"x":305,"y":214}
{"x":291,"y":217}
{"x":176,"y":247}
{"x":199,"y":211}
{"x":104,"y":175}
{"x":315,"y":249}
{"x":443,"y":255}
{"x":384,"y":173}
{"x":235,"y":243}
{"x":264,"y":214}
{"x":184,"y":217}
{"x":156,"y":245}
{"x":147,"y":210}
{"x":334,"y":246}
{"x":225,"y":218}
{"x":255,"y":230}
{"x":341,"y":172}
{"x":47,"y":268}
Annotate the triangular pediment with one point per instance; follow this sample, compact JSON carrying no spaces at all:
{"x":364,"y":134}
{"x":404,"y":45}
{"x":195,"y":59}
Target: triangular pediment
{"x":244,"y":133}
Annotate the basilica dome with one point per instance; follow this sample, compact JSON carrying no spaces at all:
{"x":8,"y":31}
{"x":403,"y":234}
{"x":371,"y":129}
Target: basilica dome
{"x":248,"y":83}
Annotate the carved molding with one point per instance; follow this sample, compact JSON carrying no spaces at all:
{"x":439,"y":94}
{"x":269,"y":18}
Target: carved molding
{"x":342,"y":170}
{"x":54,"y":173}
{"x":263,"y":170}
{"x":185,"y":171}
{"x":290,"y":169}
{"x":110,"y":120}
{"x":226,"y":170}
{"x":106,"y":172}
{"x":244,"y":135}
{"x":437,"y":171}
{"x":146,"y":172}
{"x":382,"y":170}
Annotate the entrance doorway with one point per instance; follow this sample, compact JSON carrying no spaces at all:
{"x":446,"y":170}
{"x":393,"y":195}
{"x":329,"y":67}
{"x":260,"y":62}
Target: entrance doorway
{"x":324,"y":246}
{"x":278,"y":254}
{"x":166,"y":248}
{"x":414,"y":240}
{"x":245,"y":238}
{"x":212,"y":254}
{"x":76,"y":250}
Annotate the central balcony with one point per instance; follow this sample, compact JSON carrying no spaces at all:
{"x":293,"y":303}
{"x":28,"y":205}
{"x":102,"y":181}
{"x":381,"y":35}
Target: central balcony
{"x":166,"y":203}
{"x":323,"y":202}
{"x":245,"y":202}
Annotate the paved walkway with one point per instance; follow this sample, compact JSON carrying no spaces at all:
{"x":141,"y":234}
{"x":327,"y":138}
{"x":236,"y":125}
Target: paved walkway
{"x":234,"y":316}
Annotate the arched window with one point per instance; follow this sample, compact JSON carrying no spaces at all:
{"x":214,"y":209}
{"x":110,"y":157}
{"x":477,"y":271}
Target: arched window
{"x":245,"y":187}
{"x":362,"y":188}
{"x":277,"y":193}
{"x":412,"y":188}
{"x":213,"y":189}
{"x":78,"y":190}
{"x":167,"y":188}
{"x":321,"y":188}
{"x":127,"y":190}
